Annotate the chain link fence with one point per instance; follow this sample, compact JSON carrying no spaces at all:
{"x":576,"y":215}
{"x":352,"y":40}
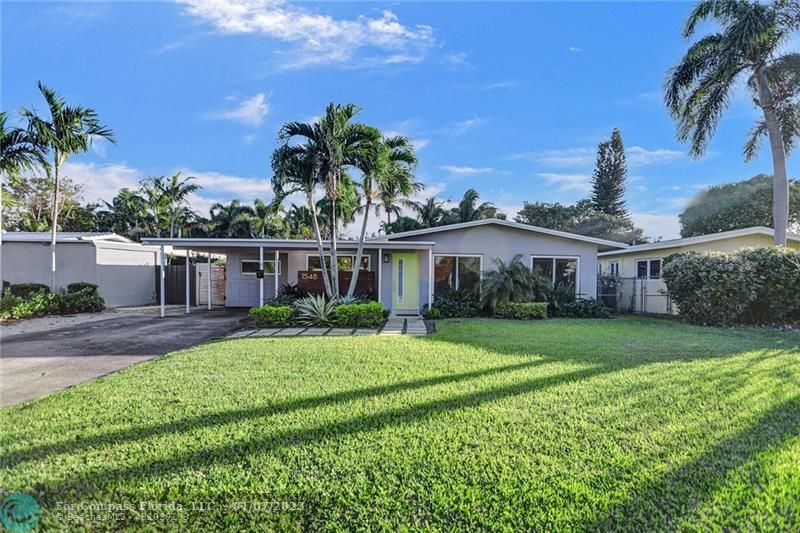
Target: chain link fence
{"x":635,"y":295}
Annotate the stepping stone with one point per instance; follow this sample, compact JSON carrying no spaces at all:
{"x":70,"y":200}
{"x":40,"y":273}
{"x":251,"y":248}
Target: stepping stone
{"x":314,"y":331}
{"x":364,"y":332}
{"x":391,"y":332}
{"x":288,"y":332}
{"x":265,"y":332}
{"x":339,"y":332}
{"x":243,"y":333}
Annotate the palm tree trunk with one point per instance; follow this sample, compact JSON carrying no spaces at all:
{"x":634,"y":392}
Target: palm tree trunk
{"x":54,"y":223}
{"x":780,"y":183}
{"x":325,"y":280}
{"x":334,"y":256}
{"x":357,"y":263}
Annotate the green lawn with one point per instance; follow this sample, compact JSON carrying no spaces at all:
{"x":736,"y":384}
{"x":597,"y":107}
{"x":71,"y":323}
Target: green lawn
{"x":626,"y":423}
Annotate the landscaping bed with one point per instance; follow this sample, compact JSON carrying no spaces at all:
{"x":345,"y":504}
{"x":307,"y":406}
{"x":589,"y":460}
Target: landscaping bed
{"x":634,"y":424}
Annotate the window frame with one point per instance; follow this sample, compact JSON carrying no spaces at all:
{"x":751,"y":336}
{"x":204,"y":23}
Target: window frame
{"x":368,"y":257}
{"x":613,"y":268}
{"x":577,"y":259}
{"x":256,"y":261}
{"x":455,"y":272}
{"x":648,"y":260}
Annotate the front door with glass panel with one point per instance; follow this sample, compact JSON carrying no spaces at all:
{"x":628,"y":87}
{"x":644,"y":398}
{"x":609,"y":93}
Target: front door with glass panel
{"x":405,"y":282}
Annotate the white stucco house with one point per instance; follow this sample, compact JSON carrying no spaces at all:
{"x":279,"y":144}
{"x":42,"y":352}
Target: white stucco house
{"x":403,"y":270}
{"x":124,"y":271}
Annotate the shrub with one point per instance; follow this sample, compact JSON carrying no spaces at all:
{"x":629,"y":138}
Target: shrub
{"x":584,"y":308}
{"x":16,"y":307}
{"x":512,"y":282}
{"x":522,"y":310}
{"x":559,"y":297}
{"x":26,"y":290}
{"x":80,"y":285}
{"x":756,"y":286}
{"x":432,"y":313}
{"x":461,"y":303}
{"x":83,"y":298}
{"x":367,"y":315}
{"x":269,"y":315}
{"x":315,"y":311}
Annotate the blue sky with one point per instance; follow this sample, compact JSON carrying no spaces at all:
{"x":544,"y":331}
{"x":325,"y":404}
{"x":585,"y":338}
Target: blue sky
{"x":508,"y":98}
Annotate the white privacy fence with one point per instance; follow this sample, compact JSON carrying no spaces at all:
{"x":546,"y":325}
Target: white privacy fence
{"x":635,"y":295}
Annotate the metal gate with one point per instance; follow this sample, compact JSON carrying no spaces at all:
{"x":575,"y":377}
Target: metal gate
{"x":634,"y":295}
{"x":175,"y":285}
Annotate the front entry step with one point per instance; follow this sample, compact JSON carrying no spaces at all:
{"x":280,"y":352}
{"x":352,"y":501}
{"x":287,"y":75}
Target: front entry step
{"x":399,"y":325}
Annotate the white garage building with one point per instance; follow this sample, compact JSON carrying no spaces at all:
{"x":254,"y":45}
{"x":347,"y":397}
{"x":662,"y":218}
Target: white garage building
{"x":123,"y":270}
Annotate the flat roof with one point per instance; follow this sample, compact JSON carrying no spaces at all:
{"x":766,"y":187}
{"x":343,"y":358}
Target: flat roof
{"x":506,"y":223}
{"x":700,"y":239}
{"x":62,"y":236}
{"x":282,"y":244}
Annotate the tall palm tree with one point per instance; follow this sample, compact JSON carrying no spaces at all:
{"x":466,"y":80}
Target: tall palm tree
{"x":126,"y":214}
{"x":176,"y":191}
{"x":294,"y":170}
{"x":298,"y":221}
{"x":468,"y":209}
{"x":336,"y":144}
{"x":430,"y":213}
{"x":69,"y":130}
{"x":390,"y":167}
{"x":18,"y":149}
{"x":232,"y":220}
{"x":266,"y":219}
{"x":392,"y":200}
{"x":152,"y":191}
{"x":749,"y":44}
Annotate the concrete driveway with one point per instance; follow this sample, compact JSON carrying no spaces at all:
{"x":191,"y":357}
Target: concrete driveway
{"x":36,"y":363}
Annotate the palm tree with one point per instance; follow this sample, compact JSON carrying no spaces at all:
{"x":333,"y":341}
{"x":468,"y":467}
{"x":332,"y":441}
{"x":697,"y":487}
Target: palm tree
{"x":298,"y":221}
{"x":294,"y":171}
{"x":430,"y":213}
{"x":152,"y":191}
{"x":390,"y":167}
{"x":126,"y":214}
{"x":512,"y":282}
{"x":18,"y":149}
{"x":69,"y":130}
{"x":231,"y":220}
{"x":393,"y":199}
{"x":266,"y":220}
{"x":176,"y":191}
{"x":335,"y":144}
{"x":468,"y":209}
{"x":748,"y":44}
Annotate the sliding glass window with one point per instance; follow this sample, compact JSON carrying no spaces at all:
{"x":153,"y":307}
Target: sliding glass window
{"x":456,"y":272}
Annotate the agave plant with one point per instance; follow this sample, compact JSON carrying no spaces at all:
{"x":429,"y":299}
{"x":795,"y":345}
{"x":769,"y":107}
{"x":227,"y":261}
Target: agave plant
{"x":512,"y":282}
{"x":315,"y":311}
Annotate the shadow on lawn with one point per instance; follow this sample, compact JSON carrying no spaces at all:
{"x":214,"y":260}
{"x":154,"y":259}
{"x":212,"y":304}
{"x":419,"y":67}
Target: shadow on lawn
{"x":660,"y":504}
{"x":228,"y":417}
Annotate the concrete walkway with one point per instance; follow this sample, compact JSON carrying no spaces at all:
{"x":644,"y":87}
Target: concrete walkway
{"x":394,"y":326}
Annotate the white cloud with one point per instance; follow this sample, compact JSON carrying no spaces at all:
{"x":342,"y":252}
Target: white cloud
{"x":318,"y":39}
{"x":658,"y":226}
{"x":575,"y":49}
{"x":500,"y":85}
{"x":585,"y":156}
{"x":466,"y":171}
{"x":103,"y":182}
{"x":460,"y":128}
{"x":568,"y":182}
{"x":250,"y":112}
{"x":456,"y":59}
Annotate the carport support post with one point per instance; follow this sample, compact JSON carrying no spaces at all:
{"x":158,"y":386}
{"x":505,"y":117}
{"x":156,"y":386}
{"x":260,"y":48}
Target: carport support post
{"x":161,"y":280}
{"x":430,"y":278}
{"x":380,"y":268}
{"x":188,"y":282}
{"x":277,"y":258}
{"x":261,"y":279}
{"x":208,"y":281}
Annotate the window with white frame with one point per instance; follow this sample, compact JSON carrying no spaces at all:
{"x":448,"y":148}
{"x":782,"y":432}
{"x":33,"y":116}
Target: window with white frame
{"x":613,"y":268}
{"x":456,"y":272}
{"x":250,"y":267}
{"x":648,"y":268}
{"x":559,"y":270}
{"x":345,"y":262}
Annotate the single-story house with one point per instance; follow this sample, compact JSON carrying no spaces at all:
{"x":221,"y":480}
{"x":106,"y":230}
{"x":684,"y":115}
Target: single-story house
{"x":123,"y":270}
{"x":638,"y":268}
{"x":404,"y":270}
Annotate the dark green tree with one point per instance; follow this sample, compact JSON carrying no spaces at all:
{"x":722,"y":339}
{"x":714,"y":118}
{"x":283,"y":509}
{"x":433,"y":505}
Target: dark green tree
{"x":608,"y":181}
{"x":737,"y":205}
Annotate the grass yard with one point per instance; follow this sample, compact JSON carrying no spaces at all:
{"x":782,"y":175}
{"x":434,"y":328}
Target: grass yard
{"x":564,"y":424}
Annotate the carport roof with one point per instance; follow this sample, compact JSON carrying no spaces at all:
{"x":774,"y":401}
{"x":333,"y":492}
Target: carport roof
{"x":203,"y":244}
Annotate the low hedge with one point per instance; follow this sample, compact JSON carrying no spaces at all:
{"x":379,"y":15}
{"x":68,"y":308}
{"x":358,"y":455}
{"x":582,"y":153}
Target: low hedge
{"x":522,"y":311}
{"x":367,"y":315}
{"x":81,"y":285}
{"x":272,"y":315}
{"x":82,"y":298}
{"x":750,"y":286}
{"x":26,"y":290}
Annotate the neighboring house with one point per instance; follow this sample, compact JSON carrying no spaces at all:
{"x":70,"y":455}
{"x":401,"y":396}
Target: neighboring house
{"x":123,"y":270}
{"x":639,"y":267}
{"x":404,"y":270}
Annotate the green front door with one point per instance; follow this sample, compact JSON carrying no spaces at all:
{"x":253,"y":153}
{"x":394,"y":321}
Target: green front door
{"x":405,"y":281}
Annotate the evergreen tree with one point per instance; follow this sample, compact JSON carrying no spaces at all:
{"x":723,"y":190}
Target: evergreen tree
{"x":608,"y":182}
